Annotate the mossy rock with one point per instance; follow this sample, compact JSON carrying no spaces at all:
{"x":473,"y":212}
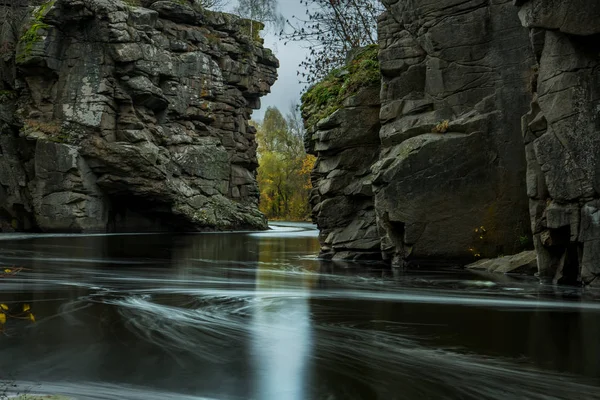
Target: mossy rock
{"x":324,"y":98}
{"x":33,"y":34}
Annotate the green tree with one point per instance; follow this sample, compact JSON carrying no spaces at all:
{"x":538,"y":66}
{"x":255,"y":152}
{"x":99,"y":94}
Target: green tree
{"x":284,"y":171}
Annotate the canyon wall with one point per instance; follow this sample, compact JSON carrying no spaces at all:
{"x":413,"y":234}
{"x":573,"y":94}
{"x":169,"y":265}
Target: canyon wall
{"x":562,"y":138}
{"x":126,"y":115}
{"x":450,"y":182}
{"x":455,"y":161}
{"x":444,"y":178}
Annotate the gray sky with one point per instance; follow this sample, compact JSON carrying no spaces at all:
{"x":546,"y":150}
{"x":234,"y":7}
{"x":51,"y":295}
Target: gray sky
{"x":287,"y":89}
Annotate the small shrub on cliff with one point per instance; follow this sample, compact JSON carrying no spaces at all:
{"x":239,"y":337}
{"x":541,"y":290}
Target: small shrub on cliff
{"x":330,"y":29}
{"x":53,"y":131}
{"x":49,"y":128}
{"x":252,"y":29}
{"x":325,"y":97}
{"x":442,"y":127}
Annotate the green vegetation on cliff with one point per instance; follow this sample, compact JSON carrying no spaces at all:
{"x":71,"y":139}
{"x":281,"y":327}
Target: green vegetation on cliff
{"x":32,"y":35}
{"x":325,"y":97}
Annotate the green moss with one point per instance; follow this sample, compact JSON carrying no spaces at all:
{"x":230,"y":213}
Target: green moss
{"x":327,"y":96}
{"x":43,"y":10}
{"x":32,"y":35}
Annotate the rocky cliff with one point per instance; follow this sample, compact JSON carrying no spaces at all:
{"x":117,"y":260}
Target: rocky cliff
{"x":447,"y":167}
{"x":346,"y":141}
{"x":123,"y":115}
{"x":562,"y":137}
{"x":450,"y":182}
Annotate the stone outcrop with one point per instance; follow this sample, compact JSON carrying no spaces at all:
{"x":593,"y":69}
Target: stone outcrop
{"x":128,"y":115}
{"x":447,"y":184}
{"x":346,"y":144}
{"x":450,"y":182}
{"x":524,"y":263}
{"x":562,"y":138}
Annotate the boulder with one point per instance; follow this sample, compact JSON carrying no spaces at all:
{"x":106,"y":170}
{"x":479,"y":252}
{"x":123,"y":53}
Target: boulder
{"x":524,"y":263}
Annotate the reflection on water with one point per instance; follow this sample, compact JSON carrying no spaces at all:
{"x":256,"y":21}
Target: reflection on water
{"x":281,"y":330}
{"x":258,"y":316}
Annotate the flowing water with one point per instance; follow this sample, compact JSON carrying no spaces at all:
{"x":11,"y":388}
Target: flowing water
{"x":258,"y":316}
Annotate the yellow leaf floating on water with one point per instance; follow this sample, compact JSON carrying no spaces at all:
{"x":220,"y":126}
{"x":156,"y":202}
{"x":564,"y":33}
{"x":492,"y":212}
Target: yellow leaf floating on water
{"x":31,"y":317}
{"x":4,"y":307}
{"x":2,"y":318}
{"x":8,"y":270}
{"x":26,"y":307}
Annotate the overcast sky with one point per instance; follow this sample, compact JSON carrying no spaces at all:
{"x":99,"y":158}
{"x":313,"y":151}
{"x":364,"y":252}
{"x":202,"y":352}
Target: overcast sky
{"x":287,"y":89}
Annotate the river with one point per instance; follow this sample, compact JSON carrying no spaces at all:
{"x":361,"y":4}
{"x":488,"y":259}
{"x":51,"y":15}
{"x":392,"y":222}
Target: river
{"x":259,"y":316}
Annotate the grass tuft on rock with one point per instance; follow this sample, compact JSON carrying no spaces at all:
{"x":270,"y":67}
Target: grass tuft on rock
{"x":324,"y":98}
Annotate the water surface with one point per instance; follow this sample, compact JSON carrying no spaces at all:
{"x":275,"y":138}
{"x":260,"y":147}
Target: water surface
{"x":259,"y":316}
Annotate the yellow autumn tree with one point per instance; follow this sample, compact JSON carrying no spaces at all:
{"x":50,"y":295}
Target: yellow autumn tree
{"x":284,"y":167}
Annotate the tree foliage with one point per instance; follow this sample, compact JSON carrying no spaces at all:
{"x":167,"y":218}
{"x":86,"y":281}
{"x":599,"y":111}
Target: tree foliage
{"x":284,"y":172}
{"x":331,"y":29}
{"x":265,"y":11}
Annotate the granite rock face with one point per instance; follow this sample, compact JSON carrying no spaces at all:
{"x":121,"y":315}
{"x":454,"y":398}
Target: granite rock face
{"x":124,"y":117}
{"x":562,"y":138}
{"x":450,"y":181}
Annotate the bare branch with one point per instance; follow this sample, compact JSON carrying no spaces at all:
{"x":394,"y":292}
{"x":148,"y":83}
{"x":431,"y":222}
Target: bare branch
{"x":330,"y":29}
